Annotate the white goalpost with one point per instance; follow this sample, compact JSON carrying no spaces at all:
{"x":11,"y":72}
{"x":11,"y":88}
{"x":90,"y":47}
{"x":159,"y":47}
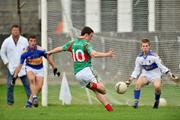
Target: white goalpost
{"x":44,"y":45}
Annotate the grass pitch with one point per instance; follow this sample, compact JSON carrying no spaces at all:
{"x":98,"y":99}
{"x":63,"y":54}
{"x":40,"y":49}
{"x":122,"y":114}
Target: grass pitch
{"x":83,"y":111}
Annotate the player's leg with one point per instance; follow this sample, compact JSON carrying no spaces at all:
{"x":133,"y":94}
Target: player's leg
{"x":96,"y":86}
{"x":99,"y":91}
{"x":88,"y":78}
{"x":101,"y":98}
{"x":31,"y":77}
{"x":157,"y":86}
{"x":142,"y":80}
{"x":38,"y":84}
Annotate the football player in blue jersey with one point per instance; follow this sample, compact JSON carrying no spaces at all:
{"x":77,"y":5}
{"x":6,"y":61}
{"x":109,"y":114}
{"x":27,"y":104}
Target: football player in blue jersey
{"x":149,"y":68}
{"x":34,"y":69}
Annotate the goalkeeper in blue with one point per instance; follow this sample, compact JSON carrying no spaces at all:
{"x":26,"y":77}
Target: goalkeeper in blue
{"x":149,"y":68}
{"x":34,"y":69}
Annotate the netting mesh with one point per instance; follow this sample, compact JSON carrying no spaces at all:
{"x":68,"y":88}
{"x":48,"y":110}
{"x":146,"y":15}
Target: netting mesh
{"x":165,"y":39}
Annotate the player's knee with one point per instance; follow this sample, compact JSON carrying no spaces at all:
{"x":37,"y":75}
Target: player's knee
{"x":158,"y":89}
{"x":39,"y":88}
{"x":31,"y":80}
{"x":138,"y":86}
{"x":92,"y":86}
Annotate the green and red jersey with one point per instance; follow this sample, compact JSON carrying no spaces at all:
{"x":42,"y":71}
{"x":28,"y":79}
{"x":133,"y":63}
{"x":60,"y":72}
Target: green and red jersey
{"x":80,"y":50}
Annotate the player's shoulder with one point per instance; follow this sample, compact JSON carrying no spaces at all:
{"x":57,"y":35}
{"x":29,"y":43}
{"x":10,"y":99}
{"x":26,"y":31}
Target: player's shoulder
{"x":71,"y":41}
{"x":39,"y":47}
{"x":25,"y":51}
{"x":76,"y":41}
{"x":153,"y":54}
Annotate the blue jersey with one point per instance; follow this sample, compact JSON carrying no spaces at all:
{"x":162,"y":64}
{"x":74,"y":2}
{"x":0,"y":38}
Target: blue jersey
{"x":149,"y":62}
{"x":33,"y":57}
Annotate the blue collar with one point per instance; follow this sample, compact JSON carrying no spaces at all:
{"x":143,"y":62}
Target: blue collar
{"x":35,"y":48}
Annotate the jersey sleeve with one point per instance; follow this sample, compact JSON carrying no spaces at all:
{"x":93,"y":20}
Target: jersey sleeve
{"x":23,"y":57}
{"x":67,"y":46}
{"x":43,"y":53}
{"x":89,"y":48}
{"x":163,"y":68}
{"x":137,"y":69}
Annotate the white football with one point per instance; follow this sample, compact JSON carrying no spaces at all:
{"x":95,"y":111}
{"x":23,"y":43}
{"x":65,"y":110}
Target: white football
{"x":162,"y":102}
{"x":121,"y":87}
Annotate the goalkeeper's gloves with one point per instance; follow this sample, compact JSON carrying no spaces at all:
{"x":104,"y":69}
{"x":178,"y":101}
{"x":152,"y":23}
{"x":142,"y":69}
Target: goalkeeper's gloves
{"x":170,"y":74}
{"x":13,"y":81}
{"x":173,"y":77}
{"x":56,"y":72}
{"x":128,"y":82}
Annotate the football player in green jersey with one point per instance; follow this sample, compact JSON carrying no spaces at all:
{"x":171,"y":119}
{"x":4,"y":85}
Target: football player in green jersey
{"x":82,"y":52}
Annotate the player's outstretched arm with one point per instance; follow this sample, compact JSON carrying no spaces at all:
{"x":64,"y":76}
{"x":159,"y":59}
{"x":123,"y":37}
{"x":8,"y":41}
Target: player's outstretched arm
{"x":96,"y":54}
{"x":55,"y":50}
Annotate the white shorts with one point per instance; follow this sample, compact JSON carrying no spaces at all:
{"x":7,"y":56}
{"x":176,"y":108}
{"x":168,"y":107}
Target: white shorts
{"x":85,"y":76}
{"x":152,"y":75}
{"x":37,"y":72}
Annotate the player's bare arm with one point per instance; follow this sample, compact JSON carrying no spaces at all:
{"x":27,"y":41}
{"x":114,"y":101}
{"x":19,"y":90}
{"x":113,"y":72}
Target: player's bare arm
{"x":96,"y":54}
{"x":51,"y":62}
{"x":17,"y":70}
{"x":15,"y":76}
{"x":55,"y":50}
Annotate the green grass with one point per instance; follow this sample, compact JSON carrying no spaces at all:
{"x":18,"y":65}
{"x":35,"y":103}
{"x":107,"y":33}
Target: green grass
{"x":86,"y":112}
{"x":80,"y":110}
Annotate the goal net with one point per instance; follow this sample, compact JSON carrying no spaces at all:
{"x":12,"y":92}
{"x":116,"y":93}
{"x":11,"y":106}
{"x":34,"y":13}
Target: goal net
{"x":156,"y":20}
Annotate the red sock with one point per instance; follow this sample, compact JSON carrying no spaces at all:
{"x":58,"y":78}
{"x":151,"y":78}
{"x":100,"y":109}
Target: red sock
{"x":93,"y":86}
{"x":109,"y":107}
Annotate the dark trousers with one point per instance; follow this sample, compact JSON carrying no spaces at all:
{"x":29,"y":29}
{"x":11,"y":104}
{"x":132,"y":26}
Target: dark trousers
{"x":10,"y":88}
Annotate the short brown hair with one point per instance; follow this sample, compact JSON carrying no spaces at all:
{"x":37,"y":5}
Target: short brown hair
{"x":145,"y":40}
{"x":16,"y":26}
{"x":86,"y":30}
{"x":31,"y":37}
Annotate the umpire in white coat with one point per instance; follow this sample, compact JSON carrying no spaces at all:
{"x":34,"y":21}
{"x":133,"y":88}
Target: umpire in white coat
{"x":11,"y":50}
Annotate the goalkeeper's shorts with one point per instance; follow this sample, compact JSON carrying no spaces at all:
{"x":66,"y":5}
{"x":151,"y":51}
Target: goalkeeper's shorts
{"x":152,"y":75}
{"x":86,"y":75}
{"x":37,"y":72}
